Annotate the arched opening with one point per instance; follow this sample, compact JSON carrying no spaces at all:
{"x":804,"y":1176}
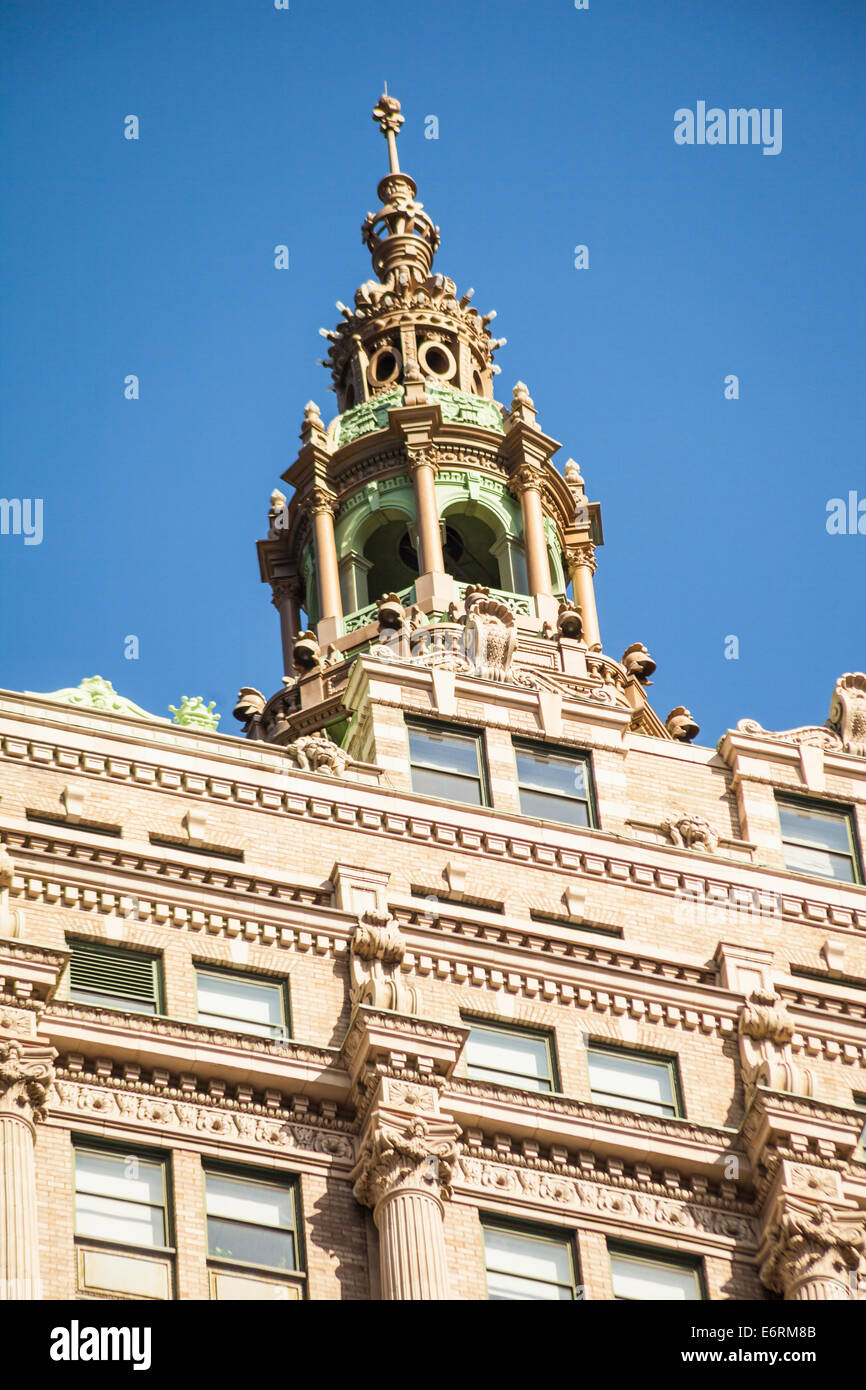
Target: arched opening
{"x":393,"y":566}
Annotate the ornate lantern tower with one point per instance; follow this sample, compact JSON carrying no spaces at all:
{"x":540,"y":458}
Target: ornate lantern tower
{"x":427,"y":519}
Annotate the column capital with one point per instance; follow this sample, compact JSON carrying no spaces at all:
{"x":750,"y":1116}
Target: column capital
{"x":26,"y":1075}
{"x":283,"y":590}
{"x":320,"y":501}
{"x":811,"y":1250}
{"x":406,"y":1153}
{"x":422,"y":456}
{"x":528,"y":477}
{"x":582,"y":554}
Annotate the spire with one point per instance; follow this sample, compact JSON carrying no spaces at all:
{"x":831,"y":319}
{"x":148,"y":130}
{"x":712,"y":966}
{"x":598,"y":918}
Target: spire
{"x":401,"y":237}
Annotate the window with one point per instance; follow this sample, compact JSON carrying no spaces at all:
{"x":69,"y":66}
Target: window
{"x":252,"y":1221}
{"x":818,"y":839}
{"x":554,"y":786}
{"x":446,"y":764}
{"x":528,"y":1263}
{"x":243,"y":1005}
{"x":643,"y":1274}
{"x":114,"y":978}
{"x":633,"y":1081}
{"x":510,"y":1056}
{"x":120,"y":1197}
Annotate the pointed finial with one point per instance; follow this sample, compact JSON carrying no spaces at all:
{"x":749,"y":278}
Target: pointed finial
{"x":388,"y":117}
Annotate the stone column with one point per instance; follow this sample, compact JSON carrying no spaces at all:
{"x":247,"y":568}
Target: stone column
{"x":25,"y":1076}
{"x":582,"y":566}
{"x":327,"y":570}
{"x":286,"y":600}
{"x":526,"y":483}
{"x":423,"y":465}
{"x":403,"y":1174}
{"x":812,"y":1252}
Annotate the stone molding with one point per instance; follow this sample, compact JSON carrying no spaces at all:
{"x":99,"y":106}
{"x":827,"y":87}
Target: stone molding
{"x":811,"y":1250}
{"x":406,"y":1152}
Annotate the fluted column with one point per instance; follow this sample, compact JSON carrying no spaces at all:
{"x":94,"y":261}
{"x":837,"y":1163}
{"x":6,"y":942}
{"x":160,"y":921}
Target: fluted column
{"x":582,"y":566}
{"x":526,"y":484}
{"x":327,"y":569}
{"x":812,"y":1252}
{"x":25,"y":1075}
{"x":403,"y":1173}
{"x":423,"y":466}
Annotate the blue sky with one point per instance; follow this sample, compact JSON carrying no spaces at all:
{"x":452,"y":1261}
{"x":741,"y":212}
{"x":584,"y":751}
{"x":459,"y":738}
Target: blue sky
{"x":155,"y":257}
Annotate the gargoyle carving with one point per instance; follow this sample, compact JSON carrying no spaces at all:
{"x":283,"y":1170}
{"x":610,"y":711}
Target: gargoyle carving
{"x":376,"y":950}
{"x":766,"y":1055}
{"x":317,"y":753}
{"x":691,"y":832}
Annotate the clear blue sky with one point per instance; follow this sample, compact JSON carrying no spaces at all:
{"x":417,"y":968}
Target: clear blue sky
{"x":155,"y":257}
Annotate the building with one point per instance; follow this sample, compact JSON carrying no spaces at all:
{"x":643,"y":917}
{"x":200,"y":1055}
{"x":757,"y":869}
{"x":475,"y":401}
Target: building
{"x":462,"y":973}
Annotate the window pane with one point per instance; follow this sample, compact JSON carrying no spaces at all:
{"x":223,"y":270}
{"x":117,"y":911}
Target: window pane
{"x":523,"y":1056}
{"x":252,"y":1244}
{"x":264,"y":1204}
{"x":827,"y":829}
{"x":111,"y":1001}
{"x":105,"y":1218}
{"x":546,"y":772}
{"x":542,"y":806}
{"x":449,"y":788}
{"x":523,"y":1266}
{"x":110,"y":1175}
{"x":801,"y":859}
{"x":448,"y":752}
{"x":649,"y":1085}
{"x":238,"y":1001}
{"x":650,"y":1279}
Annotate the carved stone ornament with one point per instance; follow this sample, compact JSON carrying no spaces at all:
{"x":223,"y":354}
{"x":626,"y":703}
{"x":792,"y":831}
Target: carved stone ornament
{"x":681,"y":726}
{"x":376,"y":950}
{"x":317,"y":753}
{"x":638,"y":662}
{"x":812,"y":1251}
{"x":26,"y":1074}
{"x":491,"y":634}
{"x":11,"y":918}
{"x":419,"y":1153}
{"x":688,"y":831}
{"x":249,"y":709}
{"x":569,"y":623}
{"x":844,"y":731}
{"x":766,"y":1055}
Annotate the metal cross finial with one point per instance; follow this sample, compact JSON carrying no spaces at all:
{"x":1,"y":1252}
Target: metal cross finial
{"x":389,"y":119}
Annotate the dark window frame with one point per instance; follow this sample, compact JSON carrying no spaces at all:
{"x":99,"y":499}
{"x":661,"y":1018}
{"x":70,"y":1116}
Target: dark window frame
{"x":239,"y":1172}
{"x":534,"y":1230}
{"x":443,"y":728}
{"x":545,"y":1035}
{"x":111,"y":1149}
{"x":668,"y":1059}
{"x":571,"y":754}
{"x":840,"y":809}
{"x":109,"y":948}
{"x":654,"y":1254}
{"x":277,"y":982}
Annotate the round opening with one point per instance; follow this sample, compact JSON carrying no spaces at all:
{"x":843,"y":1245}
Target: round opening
{"x":384,"y":366}
{"x":437,"y":359}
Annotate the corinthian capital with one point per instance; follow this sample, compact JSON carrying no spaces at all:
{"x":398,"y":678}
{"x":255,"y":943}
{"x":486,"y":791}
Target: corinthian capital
{"x":582,"y":554}
{"x":408,"y":1154}
{"x":320,"y":500}
{"x":525,"y":479}
{"x":811,"y":1251}
{"x":422,"y":456}
{"x":26,"y":1074}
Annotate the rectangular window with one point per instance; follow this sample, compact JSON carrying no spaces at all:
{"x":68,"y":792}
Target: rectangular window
{"x":643,"y":1274}
{"x":252,"y":1221}
{"x":510,"y":1056}
{"x":554,"y":786}
{"x":633,"y":1081}
{"x":243,"y":1004}
{"x":115,"y":978}
{"x":528,"y":1263}
{"x":818,"y":840}
{"x":447,"y":764}
{"x":120,"y":1197}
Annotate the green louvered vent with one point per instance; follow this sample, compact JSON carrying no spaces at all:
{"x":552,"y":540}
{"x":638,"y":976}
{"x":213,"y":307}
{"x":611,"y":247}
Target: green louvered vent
{"x":117,"y":978}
